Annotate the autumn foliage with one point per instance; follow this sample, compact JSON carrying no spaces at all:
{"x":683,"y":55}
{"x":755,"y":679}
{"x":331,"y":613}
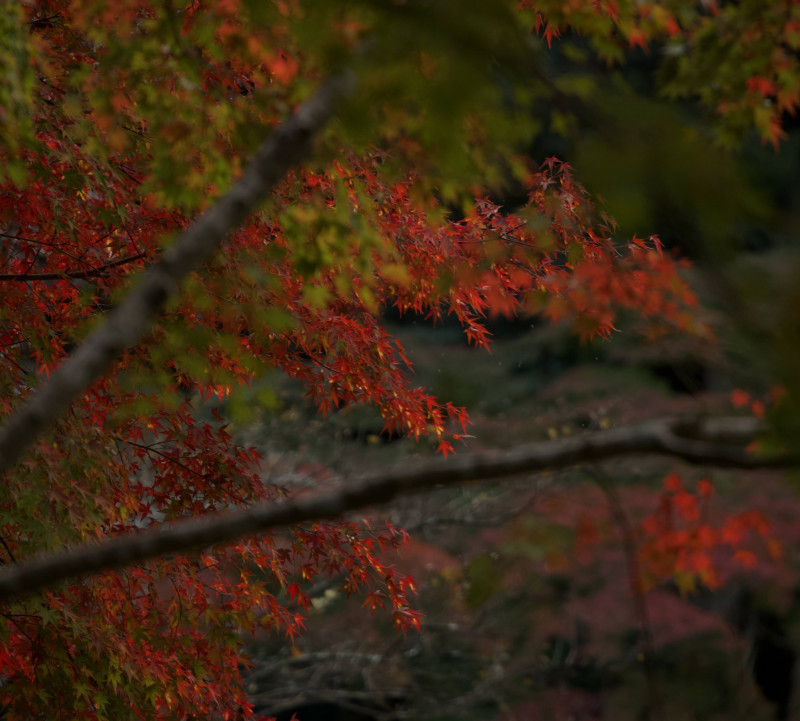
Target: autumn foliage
{"x":120,"y":123}
{"x":680,"y":542}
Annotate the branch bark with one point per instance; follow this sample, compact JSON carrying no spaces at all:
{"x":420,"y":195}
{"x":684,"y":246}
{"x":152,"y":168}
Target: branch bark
{"x":717,"y":442}
{"x":126,"y":324}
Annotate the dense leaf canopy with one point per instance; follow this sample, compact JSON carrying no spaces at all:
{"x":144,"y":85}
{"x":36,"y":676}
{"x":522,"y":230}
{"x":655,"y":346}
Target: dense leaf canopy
{"x":124,"y":122}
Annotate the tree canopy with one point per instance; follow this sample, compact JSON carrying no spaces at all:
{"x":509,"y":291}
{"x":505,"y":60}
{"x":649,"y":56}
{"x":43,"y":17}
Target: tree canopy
{"x":193,"y":193}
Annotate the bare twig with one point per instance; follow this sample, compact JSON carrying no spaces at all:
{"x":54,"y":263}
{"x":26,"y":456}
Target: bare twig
{"x":75,"y":274}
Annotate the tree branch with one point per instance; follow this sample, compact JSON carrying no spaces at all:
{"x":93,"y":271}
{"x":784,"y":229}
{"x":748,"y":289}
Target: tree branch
{"x":126,"y":324}
{"x":670,"y":438}
{"x":73,"y":275}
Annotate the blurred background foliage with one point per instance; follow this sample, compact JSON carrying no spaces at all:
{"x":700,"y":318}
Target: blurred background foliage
{"x":524,"y":620}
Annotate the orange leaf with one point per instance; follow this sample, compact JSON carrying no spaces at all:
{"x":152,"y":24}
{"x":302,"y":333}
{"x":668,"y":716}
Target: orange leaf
{"x":673,"y":483}
{"x":740,"y":398}
{"x":746,"y":558}
{"x":705,"y":488}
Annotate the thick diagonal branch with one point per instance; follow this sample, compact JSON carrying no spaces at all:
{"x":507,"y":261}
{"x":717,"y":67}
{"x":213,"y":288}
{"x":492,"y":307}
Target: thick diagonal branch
{"x":717,"y":442}
{"x":126,"y":324}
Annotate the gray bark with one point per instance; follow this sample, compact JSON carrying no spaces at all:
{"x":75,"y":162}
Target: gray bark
{"x":715,"y":442}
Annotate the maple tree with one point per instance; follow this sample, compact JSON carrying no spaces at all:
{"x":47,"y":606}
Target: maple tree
{"x":124,"y":125}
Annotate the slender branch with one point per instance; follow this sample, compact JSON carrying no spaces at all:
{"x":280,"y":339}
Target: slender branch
{"x":75,"y":274}
{"x":126,"y":324}
{"x":151,"y":449}
{"x":655,"y":701}
{"x":655,"y":437}
{"x":55,"y":246}
{"x":8,"y":550}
